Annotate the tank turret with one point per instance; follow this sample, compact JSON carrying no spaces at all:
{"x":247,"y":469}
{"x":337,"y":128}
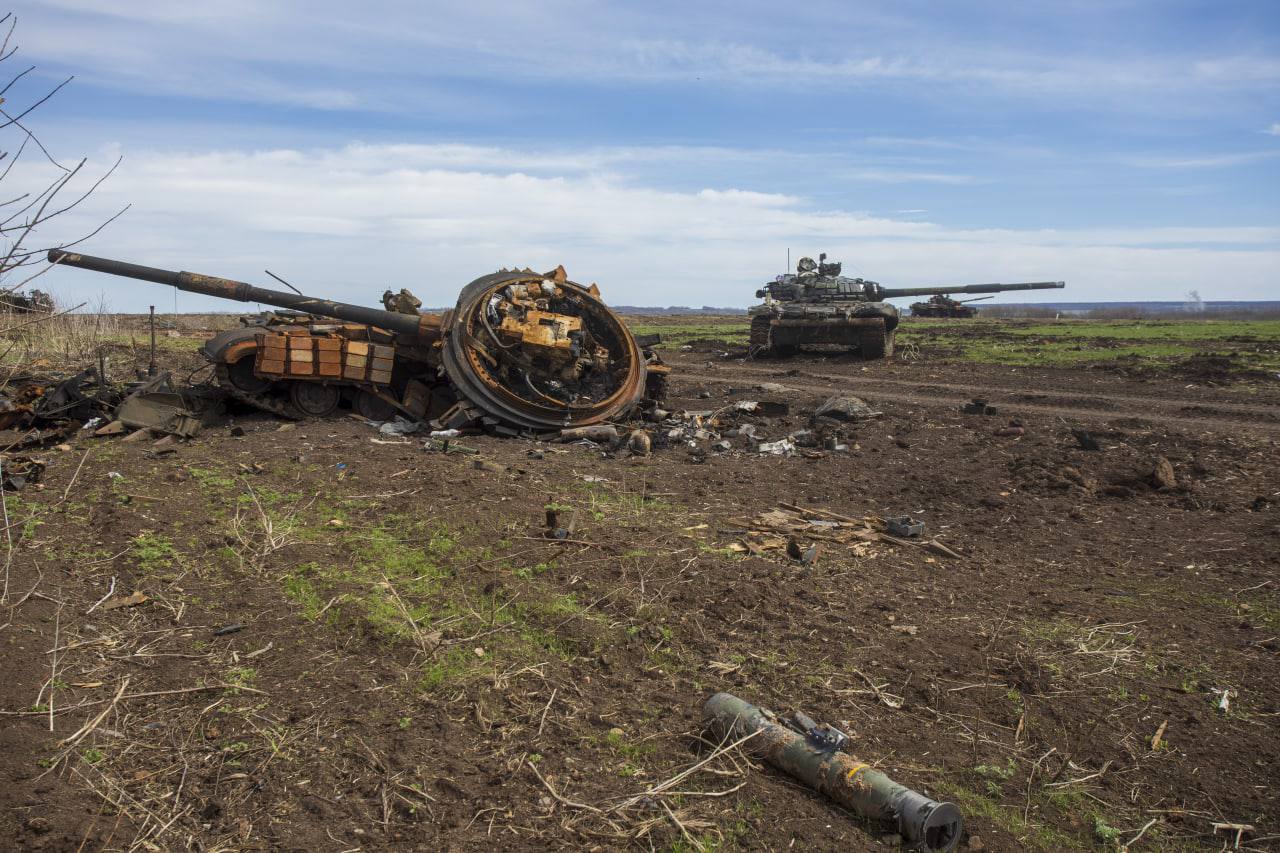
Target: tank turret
{"x":520,"y":351}
{"x":818,"y":305}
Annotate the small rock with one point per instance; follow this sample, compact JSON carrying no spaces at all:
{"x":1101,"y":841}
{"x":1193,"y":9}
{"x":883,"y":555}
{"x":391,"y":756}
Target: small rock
{"x":38,"y":824}
{"x":63,"y":448}
{"x":846,"y":408}
{"x":237,"y":431}
{"x":639,"y":442}
{"x":976,"y":843}
{"x":1162,"y":476}
{"x":704,"y":395}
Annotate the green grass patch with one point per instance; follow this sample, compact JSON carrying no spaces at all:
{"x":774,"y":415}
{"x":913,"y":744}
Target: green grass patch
{"x":732,"y":330}
{"x":397,"y":581}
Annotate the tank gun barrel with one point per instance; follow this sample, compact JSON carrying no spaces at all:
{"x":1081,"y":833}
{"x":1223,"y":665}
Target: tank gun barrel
{"x":892,"y":292}
{"x":424,"y":325}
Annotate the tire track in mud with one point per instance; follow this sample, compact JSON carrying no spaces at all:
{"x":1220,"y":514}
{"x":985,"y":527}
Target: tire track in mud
{"x":1165,"y":411}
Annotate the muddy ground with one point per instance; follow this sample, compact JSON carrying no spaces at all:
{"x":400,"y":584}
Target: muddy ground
{"x":348,"y":642}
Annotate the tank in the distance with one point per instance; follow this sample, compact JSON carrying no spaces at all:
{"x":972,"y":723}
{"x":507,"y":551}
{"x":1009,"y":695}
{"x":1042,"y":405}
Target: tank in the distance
{"x":816,"y":305}
{"x":943,"y":306}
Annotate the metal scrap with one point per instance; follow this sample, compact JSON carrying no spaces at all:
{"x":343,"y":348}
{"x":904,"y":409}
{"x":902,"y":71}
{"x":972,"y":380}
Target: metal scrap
{"x":812,"y":753}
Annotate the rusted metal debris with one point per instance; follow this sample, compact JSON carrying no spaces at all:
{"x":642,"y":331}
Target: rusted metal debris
{"x":19,"y":471}
{"x":814,"y":754}
{"x":520,"y":352}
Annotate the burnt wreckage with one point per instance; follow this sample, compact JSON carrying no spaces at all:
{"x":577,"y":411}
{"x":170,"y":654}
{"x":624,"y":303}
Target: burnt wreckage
{"x":520,"y":352}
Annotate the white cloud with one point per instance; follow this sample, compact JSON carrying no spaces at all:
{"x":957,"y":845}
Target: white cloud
{"x":347,"y":222}
{"x":392,"y":56}
{"x":1214,"y":161}
{"x":1274,"y":130}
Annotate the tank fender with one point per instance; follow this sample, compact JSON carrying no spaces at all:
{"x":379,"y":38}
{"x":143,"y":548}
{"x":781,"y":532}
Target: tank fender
{"x":230,"y":346}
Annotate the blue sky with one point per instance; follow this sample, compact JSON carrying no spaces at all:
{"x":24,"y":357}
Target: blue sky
{"x":672,"y":152}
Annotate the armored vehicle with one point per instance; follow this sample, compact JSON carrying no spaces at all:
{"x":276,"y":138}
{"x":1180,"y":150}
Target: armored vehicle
{"x":818,"y":305}
{"x":941,"y":305}
{"x":35,"y":302}
{"x":520,"y":352}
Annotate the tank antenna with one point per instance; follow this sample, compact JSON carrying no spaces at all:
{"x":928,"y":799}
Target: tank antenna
{"x":282,"y":281}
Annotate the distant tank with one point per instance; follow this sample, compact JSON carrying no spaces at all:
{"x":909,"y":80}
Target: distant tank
{"x":520,"y":352}
{"x":35,"y":302}
{"x":818,"y":305}
{"x":941,"y":305}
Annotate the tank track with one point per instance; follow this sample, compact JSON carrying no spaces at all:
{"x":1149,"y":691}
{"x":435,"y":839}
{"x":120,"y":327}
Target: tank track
{"x":759,"y":340}
{"x":258,"y":401}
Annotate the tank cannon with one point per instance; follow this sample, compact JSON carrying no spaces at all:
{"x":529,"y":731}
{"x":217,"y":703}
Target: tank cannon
{"x":818,"y":305}
{"x":519,"y":352}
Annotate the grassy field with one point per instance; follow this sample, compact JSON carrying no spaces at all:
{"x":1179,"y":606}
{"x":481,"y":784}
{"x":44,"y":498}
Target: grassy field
{"x":1251,"y":345}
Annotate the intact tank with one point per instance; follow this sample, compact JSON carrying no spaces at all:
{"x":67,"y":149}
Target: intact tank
{"x":818,"y":305}
{"x":941,"y":305}
{"x":521,"y":352}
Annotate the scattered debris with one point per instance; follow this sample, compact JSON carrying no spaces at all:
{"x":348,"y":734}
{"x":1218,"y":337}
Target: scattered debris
{"x":233,"y":628}
{"x":20,"y":472}
{"x":603,"y":433}
{"x":905,"y":526}
{"x":784,"y":526}
{"x":1085,"y":439}
{"x":1238,"y":828}
{"x":133,"y":600}
{"x":1158,"y":737}
{"x":979,"y":406}
{"x":781,"y":447}
{"x":812,"y":754}
{"x":1015,"y":428}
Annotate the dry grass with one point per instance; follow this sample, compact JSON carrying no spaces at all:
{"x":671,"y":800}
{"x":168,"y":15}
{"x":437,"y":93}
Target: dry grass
{"x":61,"y":340}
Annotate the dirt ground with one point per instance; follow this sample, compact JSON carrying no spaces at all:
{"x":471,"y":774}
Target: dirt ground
{"x":350,"y":643}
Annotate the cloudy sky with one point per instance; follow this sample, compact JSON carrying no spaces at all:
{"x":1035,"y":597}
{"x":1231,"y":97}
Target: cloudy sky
{"x":672,"y":152}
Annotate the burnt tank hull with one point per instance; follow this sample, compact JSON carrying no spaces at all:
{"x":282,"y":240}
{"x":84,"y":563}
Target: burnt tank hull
{"x":520,"y":352}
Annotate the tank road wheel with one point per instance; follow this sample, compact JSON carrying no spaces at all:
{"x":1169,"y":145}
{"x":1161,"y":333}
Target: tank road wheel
{"x":240,"y":374}
{"x":314,"y":399}
{"x":759,"y":341}
{"x":873,"y":343}
{"x":373,"y":407}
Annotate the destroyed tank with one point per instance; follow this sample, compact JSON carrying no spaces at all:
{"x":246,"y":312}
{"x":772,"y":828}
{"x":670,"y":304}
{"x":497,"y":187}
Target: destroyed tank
{"x":818,"y":305}
{"x":521,"y":352}
{"x":35,"y":302}
{"x":941,"y":305}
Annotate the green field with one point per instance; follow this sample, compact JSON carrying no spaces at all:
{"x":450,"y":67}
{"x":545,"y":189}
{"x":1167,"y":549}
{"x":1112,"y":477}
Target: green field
{"x":1249,"y":345}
